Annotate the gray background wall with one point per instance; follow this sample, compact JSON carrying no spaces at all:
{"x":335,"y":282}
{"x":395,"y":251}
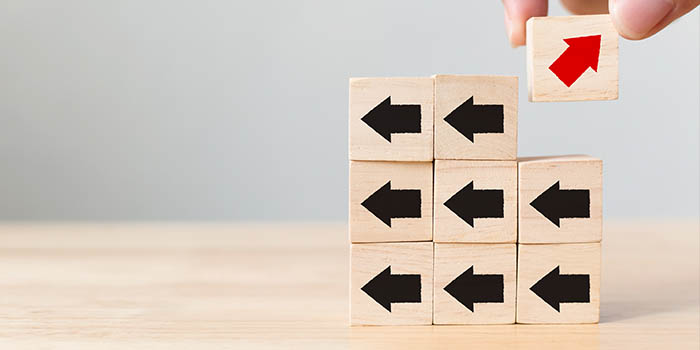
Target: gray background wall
{"x":237,"y":110}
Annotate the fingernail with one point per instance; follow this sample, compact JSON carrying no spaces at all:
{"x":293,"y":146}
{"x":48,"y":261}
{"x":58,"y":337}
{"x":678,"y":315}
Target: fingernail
{"x":635,"y":18}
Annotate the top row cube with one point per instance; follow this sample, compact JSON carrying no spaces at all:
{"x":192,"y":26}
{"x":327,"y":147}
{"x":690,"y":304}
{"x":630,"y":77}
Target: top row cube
{"x":475,"y":118}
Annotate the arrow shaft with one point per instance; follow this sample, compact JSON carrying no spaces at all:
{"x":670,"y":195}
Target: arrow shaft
{"x":569,"y":66}
{"x":488,"y":288}
{"x":404,"y":203}
{"x":489,"y":119}
{"x":406,"y":120}
{"x":574,"y":289}
{"x":574,"y":204}
{"x":486,"y":204}
{"x":405,"y":289}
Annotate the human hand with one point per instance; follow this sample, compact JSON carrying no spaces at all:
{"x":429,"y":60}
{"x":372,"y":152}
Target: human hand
{"x":634,"y":19}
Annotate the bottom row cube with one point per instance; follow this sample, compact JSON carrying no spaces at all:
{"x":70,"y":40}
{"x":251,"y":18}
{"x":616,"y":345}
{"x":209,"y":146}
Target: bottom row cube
{"x":559,"y":283}
{"x":433,"y":283}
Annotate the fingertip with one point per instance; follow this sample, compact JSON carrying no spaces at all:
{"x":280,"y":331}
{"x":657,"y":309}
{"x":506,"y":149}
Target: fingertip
{"x":517,"y":12}
{"x":635,"y":20}
{"x":517,"y":40}
{"x":586,"y":7}
{"x":507,"y":24}
{"x":513,"y":36}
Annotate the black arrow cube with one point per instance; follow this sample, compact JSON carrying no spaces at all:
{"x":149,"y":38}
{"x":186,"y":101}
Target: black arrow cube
{"x":391,"y":283}
{"x":476,"y":117}
{"x":475,"y":201}
{"x":474,"y":283}
{"x":391,"y":119}
{"x":391,"y":201}
{"x":560,"y":199}
{"x":558,"y":283}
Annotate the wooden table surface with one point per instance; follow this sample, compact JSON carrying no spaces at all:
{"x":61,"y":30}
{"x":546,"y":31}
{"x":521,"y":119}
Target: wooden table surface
{"x":245,"y":286}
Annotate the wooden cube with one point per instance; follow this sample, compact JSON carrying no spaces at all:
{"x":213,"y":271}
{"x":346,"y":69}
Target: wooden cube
{"x":474,"y":283}
{"x":391,"y":201}
{"x":476,"y":117}
{"x":560,"y":199}
{"x":391,"y":119}
{"x":475,"y":201}
{"x":391,"y":284}
{"x":558,"y":283}
{"x":571,"y":58}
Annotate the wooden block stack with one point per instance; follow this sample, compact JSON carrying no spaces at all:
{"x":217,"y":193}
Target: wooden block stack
{"x":475,"y":200}
{"x":559,"y":233}
{"x":391,"y":194}
{"x":447,"y":226}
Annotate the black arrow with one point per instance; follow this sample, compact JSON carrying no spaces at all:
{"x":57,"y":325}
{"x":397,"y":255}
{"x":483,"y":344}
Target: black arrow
{"x":386,"y":288}
{"x":470,"y":119}
{"x":555,"y":204}
{"x":387,"y":119}
{"x":469,"y":288}
{"x":386,"y":203}
{"x":555,"y":288}
{"x":469,"y":203}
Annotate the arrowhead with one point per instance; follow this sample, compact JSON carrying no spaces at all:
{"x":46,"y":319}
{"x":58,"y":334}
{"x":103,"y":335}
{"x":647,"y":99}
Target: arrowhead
{"x":459,"y":288}
{"x":379,"y":118}
{"x":546,"y":288}
{"x":460,"y":119}
{"x":378,"y":203}
{"x":461,"y":203}
{"x":547,"y":203}
{"x":378,"y":288}
{"x":587,"y":49}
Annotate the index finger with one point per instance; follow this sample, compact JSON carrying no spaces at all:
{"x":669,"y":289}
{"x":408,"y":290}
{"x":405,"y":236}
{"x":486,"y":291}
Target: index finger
{"x":517,"y":12}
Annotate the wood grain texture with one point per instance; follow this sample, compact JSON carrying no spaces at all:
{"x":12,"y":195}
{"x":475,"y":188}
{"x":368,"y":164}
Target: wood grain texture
{"x":285,"y":286}
{"x":368,"y":260}
{"x":536,"y":175}
{"x":453,"y":90}
{"x":368,"y":177}
{"x":366,"y":143}
{"x":536,"y":261}
{"x":451,"y":176}
{"x":545,"y":43}
{"x":451,"y":260}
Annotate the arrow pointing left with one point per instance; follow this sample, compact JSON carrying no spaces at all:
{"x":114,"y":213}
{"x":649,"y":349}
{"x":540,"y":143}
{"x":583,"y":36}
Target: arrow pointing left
{"x":469,"y":203}
{"x":387,"y":119}
{"x":555,"y":203}
{"x":386,"y":288}
{"x":469,"y":119}
{"x":555,"y":288}
{"x":469,"y":288}
{"x":387,"y":204}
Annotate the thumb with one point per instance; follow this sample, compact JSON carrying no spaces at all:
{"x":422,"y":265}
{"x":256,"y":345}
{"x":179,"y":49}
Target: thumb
{"x":639,"y":19}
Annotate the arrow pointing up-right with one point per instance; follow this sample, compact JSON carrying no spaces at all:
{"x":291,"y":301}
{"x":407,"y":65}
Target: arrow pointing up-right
{"x":583,"y":52}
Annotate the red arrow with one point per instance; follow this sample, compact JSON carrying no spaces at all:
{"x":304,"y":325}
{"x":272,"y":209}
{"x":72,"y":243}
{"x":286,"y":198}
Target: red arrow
{"x":582,"y":53}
